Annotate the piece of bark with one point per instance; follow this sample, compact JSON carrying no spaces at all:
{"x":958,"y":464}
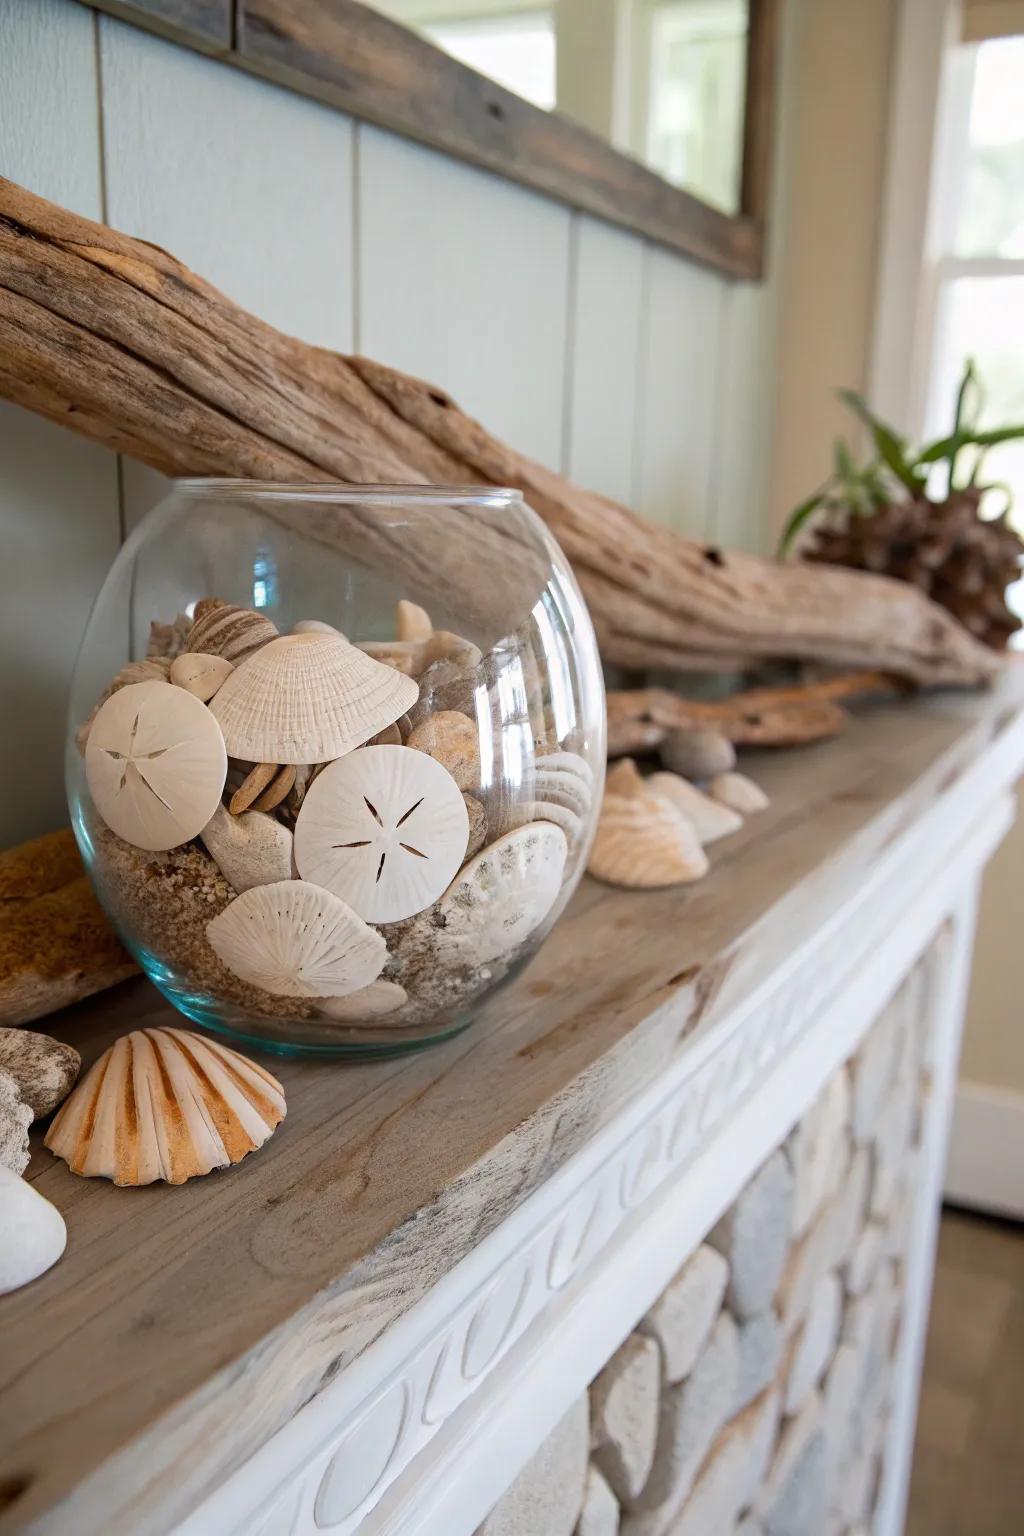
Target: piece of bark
{"x":120,"y":341}
{"x":639,"y":719}
{"x":56,"y":945}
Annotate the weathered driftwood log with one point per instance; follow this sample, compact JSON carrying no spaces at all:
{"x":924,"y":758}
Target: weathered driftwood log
{"x":118,"y":340}
{"x":56,"y":946}
{"x":639,"y":719}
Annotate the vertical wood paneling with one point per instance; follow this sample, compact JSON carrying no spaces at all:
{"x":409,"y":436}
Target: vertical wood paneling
{"x":59,"y":520}
{"x":463,"y":280}
{"x":248,"y":183}
{"x":604,"y":358}
{"x":743,"y":421}
{"x":678,"y":383}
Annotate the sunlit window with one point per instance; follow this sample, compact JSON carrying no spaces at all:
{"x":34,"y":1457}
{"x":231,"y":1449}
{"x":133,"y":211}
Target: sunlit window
{"x":517,"y":50}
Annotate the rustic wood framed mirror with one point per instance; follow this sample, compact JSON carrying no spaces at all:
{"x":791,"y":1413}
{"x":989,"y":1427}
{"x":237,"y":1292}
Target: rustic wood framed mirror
{"x":654,"y":114}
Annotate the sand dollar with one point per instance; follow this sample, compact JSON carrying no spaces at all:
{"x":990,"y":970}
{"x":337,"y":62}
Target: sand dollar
{"x":384,"y":828}
{"x":155,"y":762}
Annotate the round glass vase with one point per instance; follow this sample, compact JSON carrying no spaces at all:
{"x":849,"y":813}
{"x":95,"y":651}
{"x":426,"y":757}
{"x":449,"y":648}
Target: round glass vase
{"x":335,"y":755}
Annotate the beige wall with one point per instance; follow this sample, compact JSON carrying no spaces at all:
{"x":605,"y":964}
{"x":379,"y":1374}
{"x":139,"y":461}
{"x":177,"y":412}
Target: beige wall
{"x":835,"y":116}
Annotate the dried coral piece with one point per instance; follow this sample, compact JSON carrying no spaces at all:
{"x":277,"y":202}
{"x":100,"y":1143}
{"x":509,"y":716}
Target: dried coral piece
{"x":711,"y":820}
{"x":452,"y":740}
{"x":250,"y":849}
{"x":642,"y":840}
{"x":166,"y":1104}
{"x":221,"y":629}
{"x":156,"y":764}
{"x":739,"y":793}
{"x":308,"y":698}
{"x":501,"y":897}
{"x":200,"y":674}
{"x":373,"y":1002}
{"x":44,"y":1069}
{"x":15,"y":1119}
{"x":385,"y":829}
{"x":295,"y":939}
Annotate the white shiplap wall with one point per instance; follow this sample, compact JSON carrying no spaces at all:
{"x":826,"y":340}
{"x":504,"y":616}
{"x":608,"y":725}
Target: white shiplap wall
{"x":630,"y":368}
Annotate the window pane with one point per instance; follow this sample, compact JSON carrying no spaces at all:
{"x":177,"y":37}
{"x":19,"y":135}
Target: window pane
{"x":518,"y":51}
{"x":992,"y":213}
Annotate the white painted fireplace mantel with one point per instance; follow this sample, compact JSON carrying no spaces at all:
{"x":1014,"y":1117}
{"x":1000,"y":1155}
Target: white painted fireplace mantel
{"x":370,"y":1326}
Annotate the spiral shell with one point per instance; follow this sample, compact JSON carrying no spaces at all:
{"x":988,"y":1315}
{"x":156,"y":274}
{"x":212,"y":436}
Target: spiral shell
{"x":221,"y":629}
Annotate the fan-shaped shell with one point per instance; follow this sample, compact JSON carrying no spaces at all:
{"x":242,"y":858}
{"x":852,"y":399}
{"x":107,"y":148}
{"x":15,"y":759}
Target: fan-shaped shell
{"x":386,"y":829}
{"x":642,"y":840}
{"x":295,"y":939}
{"x":221,"y":629}
{"x":156,"y":765}
{"x":308,"y":698}
{"x":165,"y":1104}
{"x":710,"y":819}
{"x":504,"y":894}
{"x":739,"y":793}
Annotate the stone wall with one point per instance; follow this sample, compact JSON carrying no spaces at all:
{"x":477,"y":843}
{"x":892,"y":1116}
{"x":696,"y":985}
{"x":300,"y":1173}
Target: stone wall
{"x":753,"y":1398}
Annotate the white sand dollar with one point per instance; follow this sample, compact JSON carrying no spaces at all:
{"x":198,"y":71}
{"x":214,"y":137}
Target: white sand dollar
{"x":156,"y":765}
{"x":384,"y":828}
{"x":503,"y":894}
{"x":308,"y":698}
{"x":295,"y":939}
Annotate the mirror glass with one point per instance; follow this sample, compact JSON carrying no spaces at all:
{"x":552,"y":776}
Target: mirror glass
{"x":661,"y":80}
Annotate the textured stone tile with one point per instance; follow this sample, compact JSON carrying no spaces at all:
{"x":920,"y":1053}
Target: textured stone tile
{"x":600,"y":1513}
{"x":815,"y":1342}
{"x":691,"y":1416}
{"x":840,"y":1394}
{"x":871,"y":1072}
{"x":807,"y":1261}
{"x":760,"y":1341}
{"x":683,"y":1316}
{"x":754,"y":1237}
{"x":795,"y":1482}
{"x":731,"y":1471}
{"x":546,"y":1497}
{"x":848,"y":1212}
{"x":624,"y":1402}
{"x":860,"y":1272}
{"x":816,"y":1149}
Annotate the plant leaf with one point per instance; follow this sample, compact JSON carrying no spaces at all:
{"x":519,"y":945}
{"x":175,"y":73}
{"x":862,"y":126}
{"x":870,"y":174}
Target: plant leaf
{"x":892,"y":450}
{"x":798,"y":517}
{"x":953,"y":444}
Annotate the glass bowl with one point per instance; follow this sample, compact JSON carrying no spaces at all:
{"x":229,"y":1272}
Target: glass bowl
{"x":335,"y":755}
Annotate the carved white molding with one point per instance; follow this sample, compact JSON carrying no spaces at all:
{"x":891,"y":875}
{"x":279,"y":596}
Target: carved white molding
{"x":468,"y":1382}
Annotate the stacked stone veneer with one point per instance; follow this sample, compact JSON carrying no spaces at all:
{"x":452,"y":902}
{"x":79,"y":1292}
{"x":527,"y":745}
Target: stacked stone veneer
{"x":753,"y":1398}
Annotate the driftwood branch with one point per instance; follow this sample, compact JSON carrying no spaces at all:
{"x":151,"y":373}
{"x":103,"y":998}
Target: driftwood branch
{"x":123,"y":343}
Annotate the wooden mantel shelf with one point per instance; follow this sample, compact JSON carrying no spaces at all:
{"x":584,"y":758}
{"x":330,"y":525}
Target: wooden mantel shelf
{"x":185,"y":1328}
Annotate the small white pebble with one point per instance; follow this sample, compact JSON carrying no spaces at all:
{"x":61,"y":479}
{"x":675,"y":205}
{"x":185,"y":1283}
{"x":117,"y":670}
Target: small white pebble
{"x":739,"y":793}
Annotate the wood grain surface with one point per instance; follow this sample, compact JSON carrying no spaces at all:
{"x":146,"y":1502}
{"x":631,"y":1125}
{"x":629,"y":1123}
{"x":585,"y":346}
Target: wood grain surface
{"x":201,"y":24}
{"x":184,"y":1326}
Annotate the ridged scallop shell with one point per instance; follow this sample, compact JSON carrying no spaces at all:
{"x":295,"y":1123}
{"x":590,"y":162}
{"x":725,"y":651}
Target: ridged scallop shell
{"x":739,"y":793}
{"x":295,"y":939}
{"x":221,"y":629}
{"x":642,"y":840}
{"x":165,"y":1104}
{"x":710,"y":819}
{"x":503,"y":895}
{"x":308,"y":698}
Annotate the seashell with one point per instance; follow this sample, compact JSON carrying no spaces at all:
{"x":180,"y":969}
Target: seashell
{"x":200,"y":673}
{"x":525,"y":811}
{"x":165,"y":1104}
{"x":295,"y":939}
{"x":739,"y":793}
{"x":32,"y":1232}
{"x":259,"y":778}
{"x":642,"y":840}
{"x":385,"y":829}
{"x":477,"y":826}
{"x":155,"y":763}
{"x":413,"y":657}
{"x":444,"y":686}
{"x":412,"y":622}
{"x":151,"y":669}
{"x":372,"y":1002}
{"x":697,"y":754}
{"x":308,"y":699}
{"x":400,"y":655}
{"x":44,"y":1070}
{"x":710,"y":819}
{"x":250,"y":849}
{"x":390,"y":736}
{"x":15,"y":1119}
{"x":278,"y":790}
{"x":502,"y":895}
{"x":565,"y":762}
{"x":207,"y":605}
{"x":314,"y":627}
{"x":451,"y":739}
{"x":224,"y":630}
{"x":168,"y":640}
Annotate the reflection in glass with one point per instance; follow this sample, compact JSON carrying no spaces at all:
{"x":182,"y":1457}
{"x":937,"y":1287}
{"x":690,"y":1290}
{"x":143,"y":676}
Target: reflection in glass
{"x":663,"y":80}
